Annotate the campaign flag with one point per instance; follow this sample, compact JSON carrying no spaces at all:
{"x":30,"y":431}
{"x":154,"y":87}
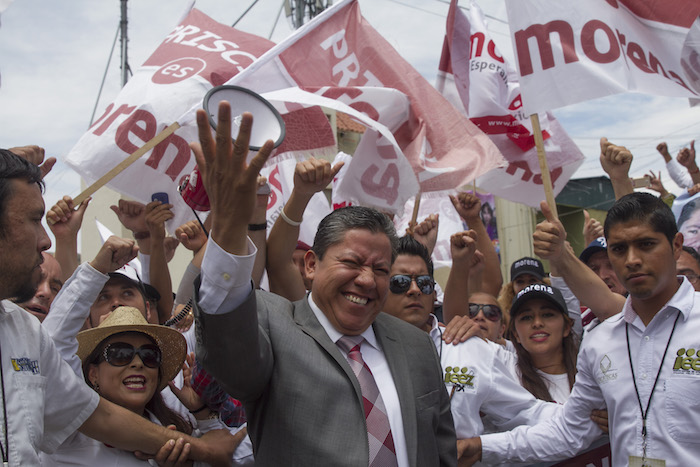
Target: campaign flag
{"x":338,"y":55}
{"x":378,"y":175}
{"x":197,"y":55}
{"x":475,"y":77}
{"x":568,"y":52}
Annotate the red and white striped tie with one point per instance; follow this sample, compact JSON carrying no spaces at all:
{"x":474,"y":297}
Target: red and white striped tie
{"x":381,"y":444}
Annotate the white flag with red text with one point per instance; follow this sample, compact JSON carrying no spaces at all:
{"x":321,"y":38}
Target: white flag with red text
{"x":338,"y":55}
{"x":568,"y":52}
{"x":475,"y":77}
{"x":196,"y":56}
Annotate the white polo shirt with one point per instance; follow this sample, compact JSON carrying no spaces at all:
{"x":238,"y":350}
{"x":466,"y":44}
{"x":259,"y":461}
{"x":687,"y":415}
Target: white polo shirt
{"x":45,"y":400}
{"x":478,"y":380}
{"x":605,"y":379}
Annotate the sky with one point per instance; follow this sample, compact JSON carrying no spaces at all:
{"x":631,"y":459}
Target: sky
{"x":53,"y":56}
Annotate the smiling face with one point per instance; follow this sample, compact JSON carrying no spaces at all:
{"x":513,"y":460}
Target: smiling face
{"x":130,"y":386}
{"x":645,"y":262}
{"x":351,"y":282}
{"x":47,"y":290}
{"x":412,"y":306}
{"x":23,"y":241}
{"x":540,"y":327}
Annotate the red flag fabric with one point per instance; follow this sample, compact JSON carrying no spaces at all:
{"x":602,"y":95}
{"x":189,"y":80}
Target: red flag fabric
{"x":568,"y":52}
{"x":475,"y":77}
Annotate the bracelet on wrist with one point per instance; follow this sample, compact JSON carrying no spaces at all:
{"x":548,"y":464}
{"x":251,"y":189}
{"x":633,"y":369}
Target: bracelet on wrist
{"x":203,"y":407}
{"x":254,"y":227}
{"x":289,"y":221}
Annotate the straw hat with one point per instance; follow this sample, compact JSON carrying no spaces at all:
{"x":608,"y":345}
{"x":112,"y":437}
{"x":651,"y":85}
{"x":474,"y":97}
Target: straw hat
{"x":172,"y":344}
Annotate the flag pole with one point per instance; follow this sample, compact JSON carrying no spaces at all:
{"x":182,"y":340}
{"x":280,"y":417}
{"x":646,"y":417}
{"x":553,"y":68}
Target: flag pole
{"x":125,"y":163}
{"x":414,"y":217}
{"x":544,"y":169}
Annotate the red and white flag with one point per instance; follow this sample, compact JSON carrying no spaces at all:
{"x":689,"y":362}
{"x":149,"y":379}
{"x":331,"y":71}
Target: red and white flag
{"x":340,"y":56}
{"x":568,"y":52}
{"x":196,"y":56}
{"x":475,"y":77}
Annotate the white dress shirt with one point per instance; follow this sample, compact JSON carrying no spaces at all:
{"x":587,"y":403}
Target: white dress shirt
{"x":45,"y":400}
{"x":605,"y":379}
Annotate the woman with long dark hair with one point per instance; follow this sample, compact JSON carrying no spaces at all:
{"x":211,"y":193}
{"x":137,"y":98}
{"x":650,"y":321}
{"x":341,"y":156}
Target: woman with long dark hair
{"x":545,"y":347}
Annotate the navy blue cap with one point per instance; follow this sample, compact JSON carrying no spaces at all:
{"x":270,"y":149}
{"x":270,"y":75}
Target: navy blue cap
{"x":599,"y":244}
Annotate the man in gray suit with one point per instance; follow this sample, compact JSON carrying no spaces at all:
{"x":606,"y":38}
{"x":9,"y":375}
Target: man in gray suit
{"x":304,"y":402}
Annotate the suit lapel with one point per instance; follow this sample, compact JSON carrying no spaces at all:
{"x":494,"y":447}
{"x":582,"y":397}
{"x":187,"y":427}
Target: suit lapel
{"x":308,"y":323}
{"x":401,"y":373}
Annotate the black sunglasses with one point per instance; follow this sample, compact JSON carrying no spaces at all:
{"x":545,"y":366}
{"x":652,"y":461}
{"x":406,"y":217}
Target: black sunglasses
{"x":491,"y":312}
{"x":121,"y":354}
{"x":400,"y":283}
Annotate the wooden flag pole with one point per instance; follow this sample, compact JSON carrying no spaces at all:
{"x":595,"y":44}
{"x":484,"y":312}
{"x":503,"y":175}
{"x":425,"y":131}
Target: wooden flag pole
{"x":416,"y":206}
{"x":542,"y":157}
{"x":125,"y":163}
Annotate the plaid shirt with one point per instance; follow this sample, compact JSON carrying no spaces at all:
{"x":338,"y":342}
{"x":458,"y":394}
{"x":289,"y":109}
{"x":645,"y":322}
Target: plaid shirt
{"x":230,"y":410}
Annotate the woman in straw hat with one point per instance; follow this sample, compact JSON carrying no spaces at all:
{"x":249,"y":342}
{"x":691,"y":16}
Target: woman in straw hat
{"x":129,"y":361}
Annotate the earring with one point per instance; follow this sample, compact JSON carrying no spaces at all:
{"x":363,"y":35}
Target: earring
{"x":96,"y":386}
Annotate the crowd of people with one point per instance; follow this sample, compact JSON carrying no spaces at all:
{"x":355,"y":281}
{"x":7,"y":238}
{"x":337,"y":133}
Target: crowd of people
{"x":353,"y":355}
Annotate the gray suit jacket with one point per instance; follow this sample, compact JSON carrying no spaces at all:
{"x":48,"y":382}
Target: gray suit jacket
{"x":302,"y":399}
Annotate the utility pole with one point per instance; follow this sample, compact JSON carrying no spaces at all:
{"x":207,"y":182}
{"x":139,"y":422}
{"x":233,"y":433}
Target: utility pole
{"x":124,"y":35}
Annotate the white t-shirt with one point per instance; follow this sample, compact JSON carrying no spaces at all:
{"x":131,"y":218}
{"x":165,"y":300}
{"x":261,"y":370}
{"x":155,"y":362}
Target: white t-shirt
{"x":45,"y":400}
{"x":557,"y":385}
{"x":478,"y":380}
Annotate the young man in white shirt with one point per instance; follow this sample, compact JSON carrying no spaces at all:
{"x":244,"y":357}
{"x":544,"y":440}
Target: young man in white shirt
{"x":640,"y":363}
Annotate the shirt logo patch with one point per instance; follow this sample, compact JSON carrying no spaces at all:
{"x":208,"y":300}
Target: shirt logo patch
{"x":25,"y":364}
{"x":608,"y":372}
{"x":687,"y":362}
{"x":461,"y":378}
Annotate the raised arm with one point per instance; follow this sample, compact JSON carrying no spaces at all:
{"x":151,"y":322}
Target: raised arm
{"x":468,"y":205}
{"x":686,"y":157}
{"x":65,"y":222}
{"x":157,"y":214}
{"x":463,"y":249}
{"x":310,"y":177}
{"x":71,"y":307}
{"x":257,"y":234}
{"x":549,"y":243}
{"x":132,"y":216}
{"x":426,"y":231}
{"x":615,"y":161}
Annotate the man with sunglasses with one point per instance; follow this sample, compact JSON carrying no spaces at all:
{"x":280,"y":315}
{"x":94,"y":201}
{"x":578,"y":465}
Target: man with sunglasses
{"x":474,"y":371}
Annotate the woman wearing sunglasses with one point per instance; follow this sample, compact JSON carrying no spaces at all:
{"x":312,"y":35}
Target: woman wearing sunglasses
{"x":129,"y":361}
{"x":545,"y":347}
